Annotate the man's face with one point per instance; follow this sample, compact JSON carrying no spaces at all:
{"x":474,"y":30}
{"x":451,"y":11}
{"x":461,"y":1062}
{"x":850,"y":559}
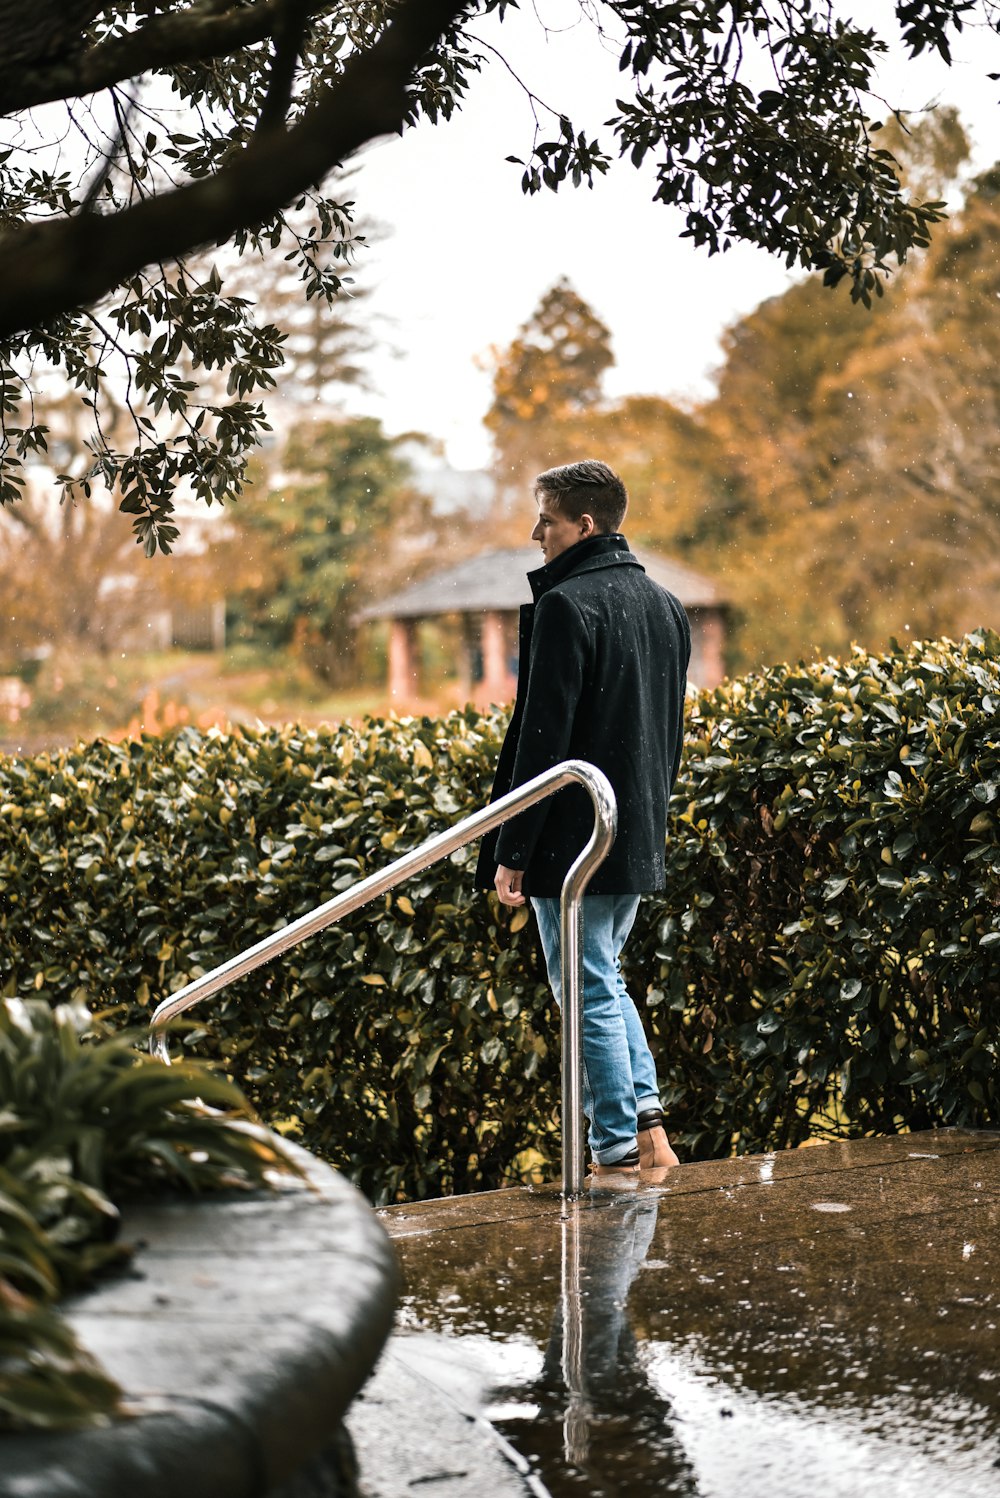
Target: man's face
{"x":556,"y":532}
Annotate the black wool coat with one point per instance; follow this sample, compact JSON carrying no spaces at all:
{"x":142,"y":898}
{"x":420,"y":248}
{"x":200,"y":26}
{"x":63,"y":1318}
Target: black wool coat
{"x":603,"y":667}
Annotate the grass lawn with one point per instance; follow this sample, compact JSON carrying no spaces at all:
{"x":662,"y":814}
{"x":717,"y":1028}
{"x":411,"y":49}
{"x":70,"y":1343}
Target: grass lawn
{"x":75,"y":696}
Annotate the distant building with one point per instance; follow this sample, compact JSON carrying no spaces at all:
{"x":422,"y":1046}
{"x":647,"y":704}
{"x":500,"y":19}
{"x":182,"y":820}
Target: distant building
{"x":200,"y":626}
{"x":485,"y":594}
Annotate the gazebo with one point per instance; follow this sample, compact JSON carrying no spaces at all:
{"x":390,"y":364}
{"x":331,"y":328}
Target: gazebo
{"x":485,"y":593}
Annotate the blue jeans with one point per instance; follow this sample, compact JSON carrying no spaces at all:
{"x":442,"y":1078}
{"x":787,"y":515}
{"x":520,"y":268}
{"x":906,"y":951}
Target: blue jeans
{"x":619,"y":1076}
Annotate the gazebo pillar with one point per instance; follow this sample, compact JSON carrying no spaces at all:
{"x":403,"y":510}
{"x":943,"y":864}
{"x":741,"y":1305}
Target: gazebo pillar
{"x":402,"y":660}
{"x":467,"y":657}
{"x":496,"y":677}
{"x":713,"y":644}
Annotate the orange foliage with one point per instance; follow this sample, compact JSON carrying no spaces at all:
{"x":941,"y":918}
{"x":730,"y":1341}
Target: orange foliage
{"x":157,"y":717}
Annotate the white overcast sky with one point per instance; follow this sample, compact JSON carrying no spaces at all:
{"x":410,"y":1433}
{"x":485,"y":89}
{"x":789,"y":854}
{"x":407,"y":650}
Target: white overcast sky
{"x":467,"y":256}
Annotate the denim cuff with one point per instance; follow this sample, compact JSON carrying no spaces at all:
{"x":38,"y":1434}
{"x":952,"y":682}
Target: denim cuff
{"x":613,"y":1153}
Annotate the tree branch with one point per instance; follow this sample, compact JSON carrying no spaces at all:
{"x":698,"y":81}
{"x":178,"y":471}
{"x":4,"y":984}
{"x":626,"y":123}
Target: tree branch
{"x":167,"y":41}
{"x":45,"y":33}
{"x":288,"y":35}
{"x":54,"y":268}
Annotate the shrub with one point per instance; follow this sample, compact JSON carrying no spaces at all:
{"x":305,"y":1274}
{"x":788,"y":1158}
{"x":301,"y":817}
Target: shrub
{"x":83,"y":1122}
{"x":408,"y":1045}
{"x":821,"y":959}
{"x":825,"y":954}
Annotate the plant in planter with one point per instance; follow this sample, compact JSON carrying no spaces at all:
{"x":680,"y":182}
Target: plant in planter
{"x":85,"y":1119}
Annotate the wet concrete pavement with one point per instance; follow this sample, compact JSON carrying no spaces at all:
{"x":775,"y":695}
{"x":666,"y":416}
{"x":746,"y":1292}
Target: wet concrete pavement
{"x":822,"y":1323}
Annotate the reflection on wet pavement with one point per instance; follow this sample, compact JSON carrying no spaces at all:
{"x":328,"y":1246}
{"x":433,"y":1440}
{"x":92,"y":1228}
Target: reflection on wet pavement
{"x":821,"y":1323}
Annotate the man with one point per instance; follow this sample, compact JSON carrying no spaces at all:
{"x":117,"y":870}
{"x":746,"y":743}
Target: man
{"x":603,"y":662}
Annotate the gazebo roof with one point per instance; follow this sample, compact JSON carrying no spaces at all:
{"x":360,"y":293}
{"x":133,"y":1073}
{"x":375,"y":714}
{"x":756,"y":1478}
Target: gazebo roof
{"x":496,"y":580}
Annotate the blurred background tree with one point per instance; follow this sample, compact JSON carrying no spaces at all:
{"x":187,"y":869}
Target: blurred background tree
{"x":65,"y":566}
{"x":861,"y":449}
{"x":324,"y":342}
{"x":549,"y":407}
{"x":670,"y":464}
{"x":843,"y":483}
{"x":341,"y":520}
{"x":544,"y":383}
{"x":920,"y":473}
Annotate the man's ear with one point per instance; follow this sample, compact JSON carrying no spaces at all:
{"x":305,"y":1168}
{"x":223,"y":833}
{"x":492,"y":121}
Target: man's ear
{"x":587,"y":526}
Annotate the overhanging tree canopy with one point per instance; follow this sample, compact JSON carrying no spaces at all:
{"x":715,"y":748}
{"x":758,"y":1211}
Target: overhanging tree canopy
{"x":138,"y":132}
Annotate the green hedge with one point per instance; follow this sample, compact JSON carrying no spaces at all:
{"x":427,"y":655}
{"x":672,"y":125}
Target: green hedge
{"x":823,"y":957}
{"x":827,"y":951}
{"x":410,"y":1045}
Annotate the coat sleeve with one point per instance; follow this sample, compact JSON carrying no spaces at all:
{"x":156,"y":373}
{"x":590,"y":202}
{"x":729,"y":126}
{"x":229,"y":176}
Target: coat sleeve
{"x":556,"y":673}
{"x":677,"y":736}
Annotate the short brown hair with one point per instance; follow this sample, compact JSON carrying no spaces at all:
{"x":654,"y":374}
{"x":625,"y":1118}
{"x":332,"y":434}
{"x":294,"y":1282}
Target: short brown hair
{"x":586,"y":488}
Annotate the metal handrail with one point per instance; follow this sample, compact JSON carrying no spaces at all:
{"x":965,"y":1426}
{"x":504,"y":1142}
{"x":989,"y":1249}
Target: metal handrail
{"x":601,"y":838}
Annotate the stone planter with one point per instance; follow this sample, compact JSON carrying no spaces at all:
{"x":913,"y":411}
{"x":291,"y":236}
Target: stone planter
{"x":241,"y":1333}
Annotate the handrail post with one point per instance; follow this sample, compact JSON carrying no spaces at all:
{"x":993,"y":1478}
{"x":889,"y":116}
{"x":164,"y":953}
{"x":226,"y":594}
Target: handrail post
{"x":569,"y":772}
{"x":571,"y":960}
{"x":571,"y":919}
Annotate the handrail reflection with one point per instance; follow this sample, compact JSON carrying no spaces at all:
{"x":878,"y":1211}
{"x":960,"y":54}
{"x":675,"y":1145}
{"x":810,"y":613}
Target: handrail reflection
{"x":595,"y":1404}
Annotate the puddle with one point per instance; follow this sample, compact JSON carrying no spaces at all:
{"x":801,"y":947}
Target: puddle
{"x":655,"y":1344}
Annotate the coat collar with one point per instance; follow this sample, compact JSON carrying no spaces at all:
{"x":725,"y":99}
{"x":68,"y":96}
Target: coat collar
{"x":585,"y":556}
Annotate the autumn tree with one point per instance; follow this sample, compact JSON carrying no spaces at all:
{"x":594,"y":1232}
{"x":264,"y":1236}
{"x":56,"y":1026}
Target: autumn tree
{"x":779,"y":444}
{"x":545,"y":385}
{"x":193,"y":123}
{"x":65,"y":575}
{"x":54,"y":573}
{"x":862,"y":450}
{"x":920,"y":411}
{"x":680,"y":492}
{"x":549,"y":407}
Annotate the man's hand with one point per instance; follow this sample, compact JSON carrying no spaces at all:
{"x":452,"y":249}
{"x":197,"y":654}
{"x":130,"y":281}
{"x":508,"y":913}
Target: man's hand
{"x":508,"y":885}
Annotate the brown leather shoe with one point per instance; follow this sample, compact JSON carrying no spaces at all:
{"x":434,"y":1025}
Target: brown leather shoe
{"x":654,"y":1146}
